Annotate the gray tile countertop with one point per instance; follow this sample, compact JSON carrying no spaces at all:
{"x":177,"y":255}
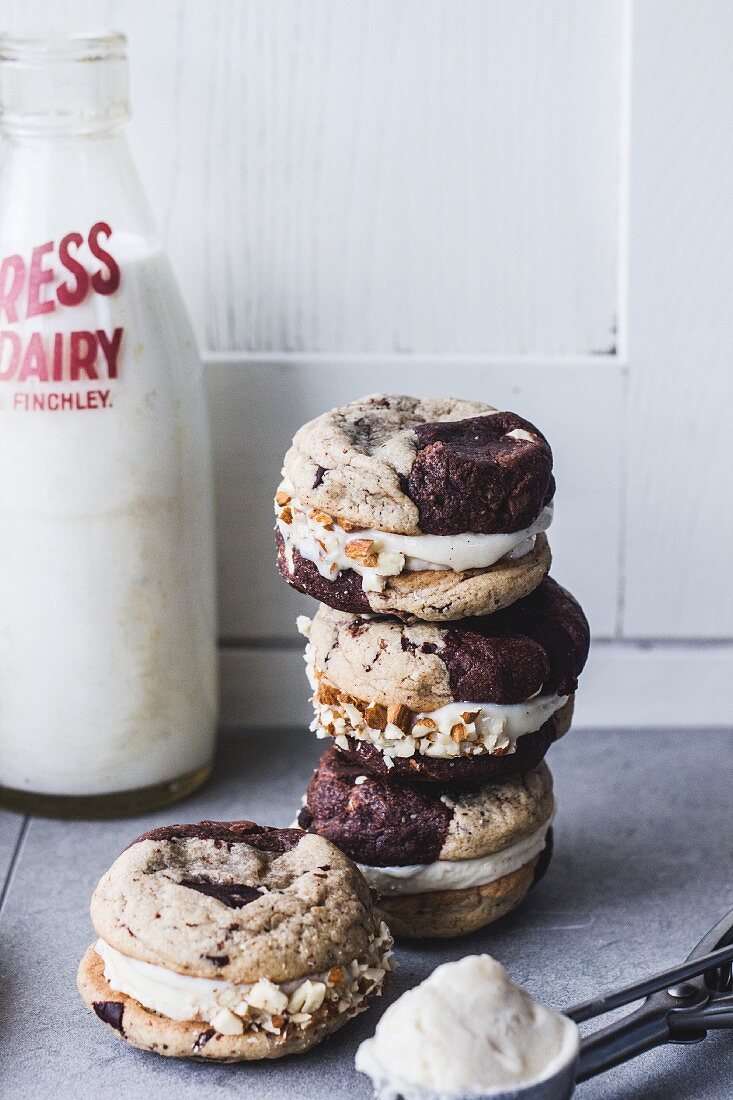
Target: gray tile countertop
{"x":643,"y":867}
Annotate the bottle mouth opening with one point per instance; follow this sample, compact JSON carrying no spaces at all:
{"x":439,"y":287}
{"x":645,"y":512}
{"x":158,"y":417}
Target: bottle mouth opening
{"x":59,"y":83}
{"x":56,"y":45}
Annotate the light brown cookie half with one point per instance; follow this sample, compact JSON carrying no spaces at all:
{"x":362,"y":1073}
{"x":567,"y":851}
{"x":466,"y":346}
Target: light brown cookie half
{"x":380,"y":660}
{"x":177,"y":898}
{"x":496,"y":816}
{"x":444,"y":914}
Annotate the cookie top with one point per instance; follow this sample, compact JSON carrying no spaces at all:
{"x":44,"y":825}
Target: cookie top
{"x":235,"y":901}
{"x":382,"y":823}
{"x":422,"y":466}
{"x":538,"y":645}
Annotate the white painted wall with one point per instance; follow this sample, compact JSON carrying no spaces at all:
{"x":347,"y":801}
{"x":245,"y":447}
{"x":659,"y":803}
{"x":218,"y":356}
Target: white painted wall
{"x":524,"y":201}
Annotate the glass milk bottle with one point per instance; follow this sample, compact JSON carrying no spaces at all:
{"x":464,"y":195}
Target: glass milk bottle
{"x":107,"y":616}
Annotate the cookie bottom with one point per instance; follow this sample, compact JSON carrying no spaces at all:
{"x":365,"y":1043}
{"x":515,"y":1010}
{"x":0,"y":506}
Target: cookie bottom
{"x":467,"y":770}
{"x":444,"y":914}
{"x":440,"y":595}
{"x":146,"y":1030}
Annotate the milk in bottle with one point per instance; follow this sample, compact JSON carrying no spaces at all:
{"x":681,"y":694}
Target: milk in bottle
{"x":107,"y":620}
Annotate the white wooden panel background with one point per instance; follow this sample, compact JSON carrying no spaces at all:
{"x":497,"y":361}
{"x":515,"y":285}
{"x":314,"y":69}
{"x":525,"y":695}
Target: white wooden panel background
{"x":526,"y":201}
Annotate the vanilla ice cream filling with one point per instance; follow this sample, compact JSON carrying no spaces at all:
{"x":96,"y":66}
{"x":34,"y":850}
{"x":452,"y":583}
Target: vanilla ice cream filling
{"x":458,"y":874}
{"x":376,"y":555}
{"x":455,"y":729}
{"x":233,"y":1008}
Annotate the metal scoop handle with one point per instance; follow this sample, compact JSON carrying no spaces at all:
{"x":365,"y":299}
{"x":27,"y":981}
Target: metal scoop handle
{"x":681,"y":1005}
{"x":588,"y":1010}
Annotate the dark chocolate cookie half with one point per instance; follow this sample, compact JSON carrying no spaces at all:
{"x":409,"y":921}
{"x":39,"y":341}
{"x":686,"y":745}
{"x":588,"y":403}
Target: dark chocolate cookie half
{"x":344,"y":592}
{"x":373,"y":821}
{"x":500,"y":656}
{"x":487,"y":474}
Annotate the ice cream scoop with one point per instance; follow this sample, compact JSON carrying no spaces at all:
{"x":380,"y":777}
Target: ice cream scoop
{"x":468,"y":1032}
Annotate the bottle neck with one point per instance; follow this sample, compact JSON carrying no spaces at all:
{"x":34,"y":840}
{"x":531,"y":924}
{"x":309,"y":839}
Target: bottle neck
{"x":65,"y":166}
{"x":12,"y":137}
{"x":63,"y":88}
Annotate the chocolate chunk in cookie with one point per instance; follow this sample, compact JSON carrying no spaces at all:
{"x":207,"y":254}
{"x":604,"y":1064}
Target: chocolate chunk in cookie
{"x":234,"y":894}
{"x":500,"y":656}
{"x":110,"y":1012}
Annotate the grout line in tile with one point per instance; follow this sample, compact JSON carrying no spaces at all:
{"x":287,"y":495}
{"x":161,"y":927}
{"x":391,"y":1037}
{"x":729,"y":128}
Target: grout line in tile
{"x":19,"y":843}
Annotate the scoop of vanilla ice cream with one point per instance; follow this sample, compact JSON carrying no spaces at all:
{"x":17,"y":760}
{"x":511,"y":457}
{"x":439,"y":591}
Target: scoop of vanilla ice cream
{"x":466,"y":1030}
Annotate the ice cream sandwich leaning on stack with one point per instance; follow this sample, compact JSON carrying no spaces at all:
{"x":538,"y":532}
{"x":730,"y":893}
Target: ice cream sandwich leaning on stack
{"x":443,"y":659}
{"x":228,"y":941}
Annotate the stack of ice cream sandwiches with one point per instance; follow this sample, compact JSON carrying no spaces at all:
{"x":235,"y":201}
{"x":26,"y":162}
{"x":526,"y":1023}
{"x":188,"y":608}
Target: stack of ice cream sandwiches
{"x":443,"y":659}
